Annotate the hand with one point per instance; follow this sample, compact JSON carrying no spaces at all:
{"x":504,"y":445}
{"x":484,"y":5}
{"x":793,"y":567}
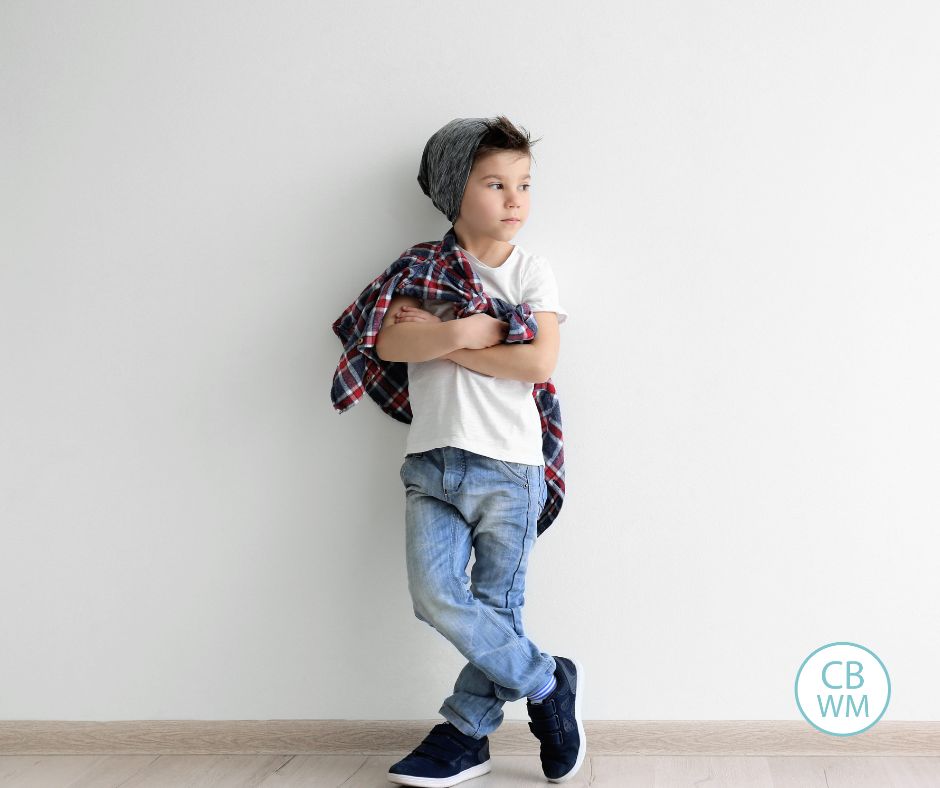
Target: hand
{"x":412,"y":314}
{"x":482,"y":330}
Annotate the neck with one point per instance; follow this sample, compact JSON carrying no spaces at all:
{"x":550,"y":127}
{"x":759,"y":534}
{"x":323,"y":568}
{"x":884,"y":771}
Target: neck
{"x":484,"y":248}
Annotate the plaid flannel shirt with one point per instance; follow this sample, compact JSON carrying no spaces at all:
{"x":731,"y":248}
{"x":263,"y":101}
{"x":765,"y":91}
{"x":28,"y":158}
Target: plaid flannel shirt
{"x":436,"y":270}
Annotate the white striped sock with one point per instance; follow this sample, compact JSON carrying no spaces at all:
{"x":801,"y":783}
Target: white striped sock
{"x":547,"y":689}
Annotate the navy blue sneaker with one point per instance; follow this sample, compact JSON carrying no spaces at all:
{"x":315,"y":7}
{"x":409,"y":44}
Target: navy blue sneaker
{"x":556,"y":723}
{"x":447,"y":756}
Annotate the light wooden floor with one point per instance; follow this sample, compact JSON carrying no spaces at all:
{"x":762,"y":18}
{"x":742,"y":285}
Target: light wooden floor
{"x":356,"y":771}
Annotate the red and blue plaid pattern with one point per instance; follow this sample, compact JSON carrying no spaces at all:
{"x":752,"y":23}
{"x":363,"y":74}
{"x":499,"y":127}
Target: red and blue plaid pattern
{"x":436,"y":270}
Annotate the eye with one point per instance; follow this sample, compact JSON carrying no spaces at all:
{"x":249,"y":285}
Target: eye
{"x":494,"y":183}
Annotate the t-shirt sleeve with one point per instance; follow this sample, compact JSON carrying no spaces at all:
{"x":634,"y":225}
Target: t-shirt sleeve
{"x":541,"y":289}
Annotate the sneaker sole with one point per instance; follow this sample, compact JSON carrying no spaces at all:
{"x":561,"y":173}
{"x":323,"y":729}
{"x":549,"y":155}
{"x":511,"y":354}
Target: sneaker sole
{"x":582,"y":748}
{"x":441,"y":782}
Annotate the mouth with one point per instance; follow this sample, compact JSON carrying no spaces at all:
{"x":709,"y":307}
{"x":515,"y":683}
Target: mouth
{"x":511,"y":221}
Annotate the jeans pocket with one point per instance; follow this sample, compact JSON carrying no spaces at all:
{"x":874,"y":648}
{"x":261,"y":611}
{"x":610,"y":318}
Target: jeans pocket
{"x":514,"y":471}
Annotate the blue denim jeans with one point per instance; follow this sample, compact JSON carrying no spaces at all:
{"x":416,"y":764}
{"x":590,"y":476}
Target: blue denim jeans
{"x":454,"y":500}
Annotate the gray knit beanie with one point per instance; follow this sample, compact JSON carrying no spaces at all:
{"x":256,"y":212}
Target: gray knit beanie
{"x":446,"y":163}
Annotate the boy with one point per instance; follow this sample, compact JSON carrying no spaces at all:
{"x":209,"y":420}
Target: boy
{"x":474,"y":470}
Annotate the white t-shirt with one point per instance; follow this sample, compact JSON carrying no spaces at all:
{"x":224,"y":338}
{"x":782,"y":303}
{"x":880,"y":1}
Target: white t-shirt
{"x":455,"y":406}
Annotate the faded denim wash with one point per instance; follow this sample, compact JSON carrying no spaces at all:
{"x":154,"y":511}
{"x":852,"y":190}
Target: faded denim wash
{"x":456,"y":499}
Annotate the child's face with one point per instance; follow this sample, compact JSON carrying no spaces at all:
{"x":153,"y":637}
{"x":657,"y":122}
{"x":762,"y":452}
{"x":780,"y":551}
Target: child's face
{"x":498,"y":188}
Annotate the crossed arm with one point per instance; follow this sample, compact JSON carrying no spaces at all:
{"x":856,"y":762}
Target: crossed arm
{"x":530,"y":362}
{"x":515,"y":361}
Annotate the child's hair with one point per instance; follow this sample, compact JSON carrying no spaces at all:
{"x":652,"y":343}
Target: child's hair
{"x":452,"y":150}
{"x":503,"y":135}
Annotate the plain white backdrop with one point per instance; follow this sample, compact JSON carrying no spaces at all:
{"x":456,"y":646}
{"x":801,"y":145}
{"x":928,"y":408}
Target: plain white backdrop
{"x":740,"y":203}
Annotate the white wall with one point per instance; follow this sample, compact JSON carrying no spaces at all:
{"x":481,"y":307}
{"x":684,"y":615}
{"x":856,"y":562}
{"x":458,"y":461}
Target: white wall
{"x":740,"y":201}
